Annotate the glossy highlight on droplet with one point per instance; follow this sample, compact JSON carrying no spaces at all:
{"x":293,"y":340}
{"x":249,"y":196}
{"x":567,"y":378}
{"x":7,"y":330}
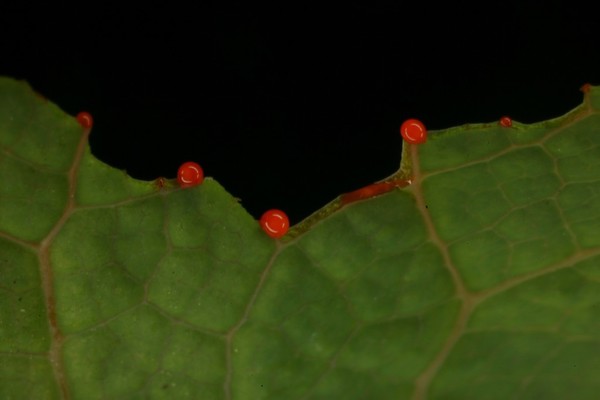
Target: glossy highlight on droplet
{"x":85,"y":119}
{"x":190,"y":174}
{"x":275,"y":223}
{"x":413,"y":131}
{"x":506,"y":121}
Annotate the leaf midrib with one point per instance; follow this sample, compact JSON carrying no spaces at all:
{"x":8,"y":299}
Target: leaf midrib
{"x":43,"y":249}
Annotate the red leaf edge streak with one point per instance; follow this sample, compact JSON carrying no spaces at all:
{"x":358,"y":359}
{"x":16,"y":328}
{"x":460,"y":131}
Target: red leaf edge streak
{"x":373,"y":190}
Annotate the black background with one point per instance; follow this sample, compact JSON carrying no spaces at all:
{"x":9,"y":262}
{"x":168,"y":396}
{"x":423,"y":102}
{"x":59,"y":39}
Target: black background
{"x":288,"y":106}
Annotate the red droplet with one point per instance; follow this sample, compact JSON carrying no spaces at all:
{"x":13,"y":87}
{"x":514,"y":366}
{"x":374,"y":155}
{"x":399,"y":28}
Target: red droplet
{"x":190,"y":174}
{"x":275,"y":223}
{"x":586,"y":88}
{"x":413,"y":131}
{"x":506,"y":121}
{"x":85,"y":119}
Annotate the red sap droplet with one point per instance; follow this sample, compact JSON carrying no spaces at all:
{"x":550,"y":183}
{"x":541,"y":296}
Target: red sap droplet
{"x":413,"y":131}
{"x":275,"y":223}
{"x":85,"y":119}
{"x":506,"y":121}
{"x":190,"y":174}
{"x":586,"y":88}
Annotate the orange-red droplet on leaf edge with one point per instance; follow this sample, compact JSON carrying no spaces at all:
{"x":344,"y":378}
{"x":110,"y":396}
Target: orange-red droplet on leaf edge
{"x":85,"y":119}
{"x":413,"y":131}
{"x":275,"y":223}
{"x":586,"y":88}
{"x":190,"y":174}
{"x":506,"y":121}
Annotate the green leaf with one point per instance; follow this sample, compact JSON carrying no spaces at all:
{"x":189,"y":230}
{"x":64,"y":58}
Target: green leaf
{"x":479,"y":280}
